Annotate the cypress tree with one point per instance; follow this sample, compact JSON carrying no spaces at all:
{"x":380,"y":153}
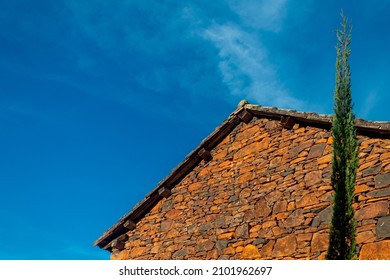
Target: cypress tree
{"x":342,"y":237}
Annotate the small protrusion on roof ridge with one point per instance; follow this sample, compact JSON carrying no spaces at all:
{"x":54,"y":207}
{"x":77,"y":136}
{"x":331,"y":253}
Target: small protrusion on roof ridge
{"x":242,"y":103}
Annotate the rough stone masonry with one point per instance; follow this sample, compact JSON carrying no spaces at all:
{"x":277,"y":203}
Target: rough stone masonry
{"x":265,"y":194}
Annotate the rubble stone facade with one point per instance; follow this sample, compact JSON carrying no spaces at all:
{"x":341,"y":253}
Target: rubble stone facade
{"x":265,"y":194}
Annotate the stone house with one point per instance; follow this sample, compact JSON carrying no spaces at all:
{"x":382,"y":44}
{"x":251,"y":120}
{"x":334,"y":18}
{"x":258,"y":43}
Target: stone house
{"x":258,"y":187}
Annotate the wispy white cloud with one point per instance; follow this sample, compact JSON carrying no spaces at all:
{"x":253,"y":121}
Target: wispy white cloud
{"x":244,"y":61}
{"x":161,"y":34}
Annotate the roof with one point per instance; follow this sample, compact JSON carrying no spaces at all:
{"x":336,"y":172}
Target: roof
{"x":244,"y":113}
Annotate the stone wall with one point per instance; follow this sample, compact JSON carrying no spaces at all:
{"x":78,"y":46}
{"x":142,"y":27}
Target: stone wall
{"x":266,"y":194}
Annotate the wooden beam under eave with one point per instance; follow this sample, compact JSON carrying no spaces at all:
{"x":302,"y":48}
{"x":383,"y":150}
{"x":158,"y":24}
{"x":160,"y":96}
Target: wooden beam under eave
{"x":205,"y":154}
{"x":118,"y":244}
{"x":287,"y":122}
{"x":107,"y":247}
{"x":123,"y":238}
{"x":245,"y":116}
{"x":164,"y":192}
{"x":129,"y":224}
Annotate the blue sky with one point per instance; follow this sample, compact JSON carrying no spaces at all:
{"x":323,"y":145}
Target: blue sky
{"x":99,"y":100}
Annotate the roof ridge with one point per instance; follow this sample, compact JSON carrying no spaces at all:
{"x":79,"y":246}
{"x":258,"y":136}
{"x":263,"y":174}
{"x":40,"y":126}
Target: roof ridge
{"x":362,"y":125}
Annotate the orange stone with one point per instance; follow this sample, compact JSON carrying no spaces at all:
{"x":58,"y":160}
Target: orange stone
{"x":218,"y":201}
{"x":272,"y":125}
{"x":277,"y":231}
{"x":164,"y":256}
{"x":303,"y":154}
{"x":375,"y":251}
{"x":204,"y":245}
{"x":366,"y":164}
{"x":275,"y":162}
{"x":325,"y":159}
{"x":234,"y":146}
{"x":229,"y":251}
{"x":134,"y":243}
{"x":252,"y":148}
{"x":155,"y":249}
{"x":248,"y":132}
{"x":256,"y":228}
{"x":182,"y":238}
{"x":323,"y":166}
{"x":365,"y":237}
{"x":227,"y":235}
{"x":212,"y":255}
{"x":282,"y":151}
{"x":361,"y":188}
{"x":244,"y":178}
{"x":291,"y":205}
{"x":322,"y":256}
{"x":373,"y":210}
{"x":239,"y":249}
{"x":179,"y":198}
{"x":225,"y":163}
{"x":306,"y":200}
{"x":285,"y":246}
{"x":372,"y":157}
{"x":323,"y":140}
{"x":246,"y":169}
{"x":194,"y":186}
{"x":244,"y":194}
{"x":280,"y":206}
{"x":137,"y":252}
{"x":173,"y":248}
{"x":250,"y":252}
{"x":173,"y":214}
{"x":319,"y":242}
{"x":262,"y":209}
{"x":220,"y":154}
{"x":273,"y":196}
{"x":297,"y":160}
{"x":304,"y":237}
{"x":282,"y":216}
{"x":316,"y":150}
{"x":144,"y":227}
{"x":122,"y":255}
{"x":385,"y":156}
{"x":366,"y":228}
{"x":313,"y":177}
{"x":268,"y":224}
{"x":266,"y":250}
{"x":301,"y":147}
{"x":377,"y":149}
{"x":265,"y":233}
{"x":203,"y":172}
{"x":367,"y":143}
{"x":295,"y":219}
{"x":172,"y":233}
{"x":238,"y":243}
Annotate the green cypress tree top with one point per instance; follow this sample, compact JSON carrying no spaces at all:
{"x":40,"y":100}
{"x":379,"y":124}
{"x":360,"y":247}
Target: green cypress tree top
{"x":342,"y":243}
